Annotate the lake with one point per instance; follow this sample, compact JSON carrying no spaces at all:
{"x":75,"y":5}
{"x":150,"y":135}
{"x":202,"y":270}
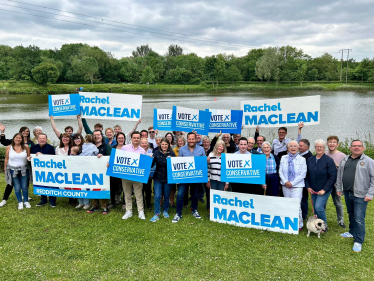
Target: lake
{"x":345,"y":114}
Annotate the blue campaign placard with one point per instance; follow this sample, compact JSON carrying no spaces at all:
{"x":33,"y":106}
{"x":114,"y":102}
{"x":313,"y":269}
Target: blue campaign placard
{"x":187,"y":119}
{"x":162,"y":119}
{"x":243,"y":168}
{"x":226,"y":121}
{"x":72,"y":192}
{"x":129,"y":165}
{"x":187,"y":169}
{"x":64,"y":105}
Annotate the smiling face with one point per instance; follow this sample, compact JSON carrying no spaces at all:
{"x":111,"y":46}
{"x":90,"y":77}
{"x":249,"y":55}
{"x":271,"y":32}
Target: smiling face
{"x":198,"y":138}
{"x":357,"y":148}
{"x":251,"y":143}
{"x":25,"y":133}
{"x":206,"y":144}
{"x":66,"y":141}
{"x":320,"y":148}
{"x":220,"y":149}
{"x":164,"y":146}
{"x":143,"y":144}
{"x":266,"y":149}
{"x":97,"y":137}
{"x":243,"y":145}
{"x":332,"y":144}
{"x":17,"y":139}
{"x":158,"y":141}
{"x":282,"y":134}
{"x":77,"y":141}
{"x":135,"y":139}
{"x":236,"y":138}
{"x":180,"y":142}
{"x":169,"y":137}
{"x":69,"y":131}
{"x":293,"y":147}
{"x":144,"y":135}
{"x":37,"y":132}
{"x":109,"y":134}
{"x":226,"y":138}
{"x":191,"y":140}
{"x":260,"y":141}
{"x":303,"y":147}
{"x":121,"y":139}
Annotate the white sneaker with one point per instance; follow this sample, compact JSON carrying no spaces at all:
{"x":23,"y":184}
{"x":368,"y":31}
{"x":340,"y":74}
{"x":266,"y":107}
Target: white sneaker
{"x":86,"y":207}
{"x":3,"y":203}
{"x":79,"y":206}
{"x":141,"y":215}
{"x":27,"y":205}
{"x":20,"y":206}
{"x":127,"y":215}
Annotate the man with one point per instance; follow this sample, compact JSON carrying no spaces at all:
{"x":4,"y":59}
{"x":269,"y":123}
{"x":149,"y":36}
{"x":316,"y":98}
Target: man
{"x":279,"y":145}
{"x":152,"y":136}
{"x":337,"y":156}
{"x":191,"y":149}
{"x":356,"y":180}
{"x":44,"y":148}
{"x":68,"y":129}
{"x":206,"y":144}
{"x":236,"y":139}
{"x":244,"y":187}
{"x":105,"y":150}
{"x":199,"y":139}
{"x":129,"y":185}
{"x":117,"y":129}
{"x":36,"y":131}
{"x":203,"y":188}
{"x":260,"y":141}
{"x":304,"y":145}
{"x":251,"y":144}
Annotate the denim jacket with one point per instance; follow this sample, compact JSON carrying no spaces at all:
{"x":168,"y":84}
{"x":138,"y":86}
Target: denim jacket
{"x":160,"y":159}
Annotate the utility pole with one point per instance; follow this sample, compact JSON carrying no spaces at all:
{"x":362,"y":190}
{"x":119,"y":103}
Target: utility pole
{"x":341,"y":65}
{"x":346,"y":74}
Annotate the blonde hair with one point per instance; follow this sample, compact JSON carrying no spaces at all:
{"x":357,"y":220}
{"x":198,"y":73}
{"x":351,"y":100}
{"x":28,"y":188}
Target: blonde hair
{"x":218,"y":143}
{"x":89,"y":139}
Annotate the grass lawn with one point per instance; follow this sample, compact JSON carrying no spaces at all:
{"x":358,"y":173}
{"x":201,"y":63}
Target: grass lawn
{"x":68,"y":244}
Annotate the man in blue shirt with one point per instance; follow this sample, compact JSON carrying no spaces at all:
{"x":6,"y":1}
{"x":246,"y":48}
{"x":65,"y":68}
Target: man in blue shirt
{"x":191,"y":149}
{"x":44,"y":148}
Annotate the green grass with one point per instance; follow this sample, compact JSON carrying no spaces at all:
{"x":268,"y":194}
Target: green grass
{"x":25,"y":87}
{"x":68,"y":244}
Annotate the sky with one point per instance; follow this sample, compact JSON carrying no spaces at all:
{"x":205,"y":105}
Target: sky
{"x":201,"y":27}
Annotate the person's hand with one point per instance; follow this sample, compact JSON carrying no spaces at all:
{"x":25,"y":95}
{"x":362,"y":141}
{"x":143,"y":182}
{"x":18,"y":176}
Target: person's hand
{"x":51,"y":117}
{"x":107,"y":164}
{"x":288,"y":184}
{"x":310,"y":190}
{"x":2,"y":128}
{"x":321,"y":192}
{"x":367,"y":199}
{"x":208,"y":159}
{"x":140,"y":121}
{"x":99,"y":155}
{"x":218,"y":134}
{"x":242,"y":127}
{"x":208,"y":185}
{"x":339,"y":193}
{"x":264,"y":186}
{"x":301,"y":125}
{"x":226,"y":187}
{"x":38,"y":153}
{"x":257,"y":129}
{"x":29,"y":158}
{"x":78,"y":116}
{"x":156,"y":132}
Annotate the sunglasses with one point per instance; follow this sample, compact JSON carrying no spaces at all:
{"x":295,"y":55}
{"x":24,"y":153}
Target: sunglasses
{"x":151,"y":132}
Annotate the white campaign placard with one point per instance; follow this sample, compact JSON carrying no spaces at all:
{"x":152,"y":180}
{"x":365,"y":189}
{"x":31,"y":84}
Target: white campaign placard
{"x":111,"y":106}
{"x":277,"y":214}
{"x":281,"y":112}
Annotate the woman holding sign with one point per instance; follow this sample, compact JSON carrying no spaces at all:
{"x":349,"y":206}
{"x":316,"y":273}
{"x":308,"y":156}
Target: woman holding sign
{"x":272,"y":167}
{"x":292,"y":172}
{"x":160,"y":178}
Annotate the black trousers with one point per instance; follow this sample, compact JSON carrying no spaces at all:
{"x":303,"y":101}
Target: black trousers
{"x":7,"y":192}
{"x":115,"y":189}
{"x":147,"y":192}
{"x":247,"y":188}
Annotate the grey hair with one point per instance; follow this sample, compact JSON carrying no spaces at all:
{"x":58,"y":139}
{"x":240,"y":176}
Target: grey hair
{"x":266,"y":142}
{"x":37,"y":128}
{"x":251,"y":138}
{"x":288,"y":144}
{"x":321,"y":141}
{"x":206,"y":138}
{"x":159,"y":137}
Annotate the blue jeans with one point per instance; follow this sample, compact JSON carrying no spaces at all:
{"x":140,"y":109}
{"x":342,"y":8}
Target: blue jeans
{"x":20,"y":183}
{"x":84,"y":201}
{"x":52,"y":199}
{"x":356,"y":208}
{"x":319,"y":202}
{"x":161,"y":188}
{"x":180,"y":197}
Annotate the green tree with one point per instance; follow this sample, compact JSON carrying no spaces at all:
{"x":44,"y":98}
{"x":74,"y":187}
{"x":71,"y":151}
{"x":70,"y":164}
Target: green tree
{"x":174,"y":51}
{"x":4,"y":72}
{"x":129,"y":70}
{"x":362,"y":71}
{"x":87,"y":68}
{"x":147,"y":75}
{"x":25,"y":60}
{"x":141,"y":51}
{"x":45,"y":72}
{"x":268,"y":66}
{"x":233,"y":74}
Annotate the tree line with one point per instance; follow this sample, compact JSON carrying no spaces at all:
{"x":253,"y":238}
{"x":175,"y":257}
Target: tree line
{"x":78,"y":63}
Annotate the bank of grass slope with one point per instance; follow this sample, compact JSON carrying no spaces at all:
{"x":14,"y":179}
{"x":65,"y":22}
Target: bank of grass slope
{"x":68,"y":244}
{"x":22,"y":87}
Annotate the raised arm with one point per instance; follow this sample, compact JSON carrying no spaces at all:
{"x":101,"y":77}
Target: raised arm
{"x":299,"y":137}
{"x":135,"y":127}
{"x":54,"y":128}
{"x":86,"y":127}
{"x":80,"y":124}
{"x":3,"y":140}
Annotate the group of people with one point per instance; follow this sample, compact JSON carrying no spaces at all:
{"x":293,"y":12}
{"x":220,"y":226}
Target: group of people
{"x":291,"y":170}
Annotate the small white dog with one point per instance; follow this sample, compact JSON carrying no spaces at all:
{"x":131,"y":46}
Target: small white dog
{"x":315,"y":225}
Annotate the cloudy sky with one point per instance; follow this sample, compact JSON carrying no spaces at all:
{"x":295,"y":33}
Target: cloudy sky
{"x":202,"y":27}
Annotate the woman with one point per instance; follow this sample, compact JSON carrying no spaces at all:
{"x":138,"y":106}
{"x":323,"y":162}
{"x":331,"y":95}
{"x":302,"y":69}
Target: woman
{"x":147,"y":187}
{"x":16,"y":168}
{"x":320,"y":179}
{"x":170,"y":138}
{"x":181,"y":141}
{"x":109,"y":133}
{"x":65,"y":144}
{"x":78,"y":141}
{"x":116,"y":183}
{"x":272,"y":167}
{"x":160,"y":179}
{"x":158,"y":143}
{"x":26,"y":136}
{"x":214,"y":170}
{"x":292,"y":172}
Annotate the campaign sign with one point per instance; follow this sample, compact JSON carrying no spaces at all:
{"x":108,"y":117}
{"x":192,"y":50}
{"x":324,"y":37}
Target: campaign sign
{"x":162,"y":119}
{"x":187,"y":169}
{"x":129,"y":165}
{"x":281,"y":112}
{"x":187,"y":119}
{"x":226,"y":121}
{"x":279,"y":214}
{"x":70,"y":176}
{"x":111,"y":106}
{"x":243,"y":168}
{"x":64,"y":105}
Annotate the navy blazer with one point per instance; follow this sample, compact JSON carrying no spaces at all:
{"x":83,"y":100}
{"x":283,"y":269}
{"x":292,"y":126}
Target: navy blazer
{"x":321,"y":174}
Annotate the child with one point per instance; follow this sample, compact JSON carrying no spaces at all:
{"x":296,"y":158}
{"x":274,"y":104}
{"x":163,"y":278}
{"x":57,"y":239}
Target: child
{"x":74,"y":150}
{"x":89,"y":148}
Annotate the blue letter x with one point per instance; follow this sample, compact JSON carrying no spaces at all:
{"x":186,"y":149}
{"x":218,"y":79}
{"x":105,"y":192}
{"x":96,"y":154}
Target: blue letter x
{"x":190,"y":165}
{"x":135,"y":161}
{"x":247,"y":163}
{"x":194,"y":117}
{"x":227,"y":117}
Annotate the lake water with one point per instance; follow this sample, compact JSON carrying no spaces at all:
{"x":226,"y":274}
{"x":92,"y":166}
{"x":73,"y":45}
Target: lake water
{"x":345,"y":114}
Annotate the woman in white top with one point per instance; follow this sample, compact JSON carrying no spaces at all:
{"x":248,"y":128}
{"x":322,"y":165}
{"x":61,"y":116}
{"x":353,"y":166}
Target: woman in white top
{"x":16,"y":168}
{"x":292,"y":172}
{"x":214,"y":167}
{"x":65,"y":144}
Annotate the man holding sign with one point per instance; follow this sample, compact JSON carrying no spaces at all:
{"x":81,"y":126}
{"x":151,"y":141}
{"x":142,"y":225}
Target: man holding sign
{"x":191,"y":149}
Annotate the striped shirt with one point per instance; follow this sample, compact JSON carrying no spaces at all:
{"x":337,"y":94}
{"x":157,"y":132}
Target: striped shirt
{"x":214,"y":167}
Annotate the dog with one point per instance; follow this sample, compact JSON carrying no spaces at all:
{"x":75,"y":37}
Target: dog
{"x":315,"y":225}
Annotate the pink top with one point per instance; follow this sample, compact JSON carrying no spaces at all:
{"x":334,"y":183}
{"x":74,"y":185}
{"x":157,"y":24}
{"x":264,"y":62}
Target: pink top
{"x":130,"y":147}
{"x":337,"y":157}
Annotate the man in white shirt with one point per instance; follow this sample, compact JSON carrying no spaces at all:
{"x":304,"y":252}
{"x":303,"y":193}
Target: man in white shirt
{"x":280,"y":144}
{"x":152,"y":136}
